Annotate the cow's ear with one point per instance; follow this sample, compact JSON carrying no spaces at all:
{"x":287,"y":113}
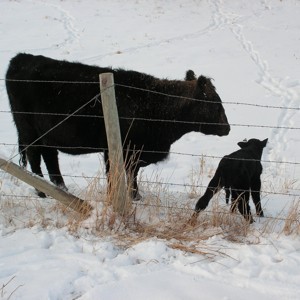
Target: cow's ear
{"x":243,"y":143}
{"x":202,"y":81}
{"x":190,"y":75}
{"x":264,"y":142}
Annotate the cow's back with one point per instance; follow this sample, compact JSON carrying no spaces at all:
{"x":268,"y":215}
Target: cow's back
{"x":44,"y":92}
{"x":38,"y":83}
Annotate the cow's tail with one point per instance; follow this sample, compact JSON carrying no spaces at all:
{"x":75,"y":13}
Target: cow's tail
{"x":23,"y":156}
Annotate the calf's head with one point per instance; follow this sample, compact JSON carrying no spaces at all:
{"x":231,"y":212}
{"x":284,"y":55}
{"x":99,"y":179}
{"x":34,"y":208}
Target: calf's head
{"x":255,"y":146}
{"x":253,"y":143}
{"x":212,"y":113}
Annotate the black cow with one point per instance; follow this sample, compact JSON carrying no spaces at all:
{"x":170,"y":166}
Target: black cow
{"x":41,"y":95}
{"x":239,"y":173}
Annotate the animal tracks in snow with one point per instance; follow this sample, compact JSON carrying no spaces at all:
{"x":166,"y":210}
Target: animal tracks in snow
{"x":285,"y":92}
{"x":209,"y":28}
{"x":68,"y":24}
{"x":213,"y":16}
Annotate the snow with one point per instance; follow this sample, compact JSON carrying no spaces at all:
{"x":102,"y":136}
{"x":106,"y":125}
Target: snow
{"x":251,"y":50}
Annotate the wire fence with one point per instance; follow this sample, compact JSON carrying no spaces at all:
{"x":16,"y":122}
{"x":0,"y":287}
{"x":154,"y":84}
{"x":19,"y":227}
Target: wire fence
{"x":208,"y":211}
{"x":152,"y":92}
{"x":138,"y":119}
{"x":293,"y":192}
{"x":168,"y":207}
{"x":76,"y":114}
{"x":101,"y":149}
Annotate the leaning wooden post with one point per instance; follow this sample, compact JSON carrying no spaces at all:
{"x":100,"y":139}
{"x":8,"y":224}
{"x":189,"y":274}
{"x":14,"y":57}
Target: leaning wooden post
{"x":48,"y":188}
{"x":117,"y":175}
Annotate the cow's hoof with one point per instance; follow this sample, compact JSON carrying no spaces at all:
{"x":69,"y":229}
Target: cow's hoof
{"x":41,"y":194}
{"x":63,"y":187}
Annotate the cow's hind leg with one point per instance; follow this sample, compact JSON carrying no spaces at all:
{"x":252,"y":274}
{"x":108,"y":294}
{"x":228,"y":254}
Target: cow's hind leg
{"x":132,"y":175}
{"x":107,"y":169}
{"x":34,"y":158}
{"x":228,"y":193}
{"x":235,"y":195}
{"x":131,"y":172}
{"x":50,"y":157}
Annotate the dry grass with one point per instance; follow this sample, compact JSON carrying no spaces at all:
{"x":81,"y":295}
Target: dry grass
{"x":204,"y":167}
{"x":292,"y":222}
{"x":161,"y":214}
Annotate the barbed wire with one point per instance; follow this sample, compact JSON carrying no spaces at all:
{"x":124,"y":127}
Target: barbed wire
{"x":49,"y":81}
{"x":157,"y":120}
{"x":153,"y":92}
{"x":50,"y":114}
{"x":208,"y":123}
{"x":62,"y":121}
{"x":14,"y":196}
{"x":152,"y":120}
{"x":202,"y":100}
{"x":182,"y":207}
{"x":67,"y":116}
{"x":185,"y":185}
{"x":206,"y":211}
{"x":101,"y":149}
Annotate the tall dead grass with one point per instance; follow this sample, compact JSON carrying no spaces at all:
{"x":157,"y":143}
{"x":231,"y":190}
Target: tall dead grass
{"x":161,"y":213}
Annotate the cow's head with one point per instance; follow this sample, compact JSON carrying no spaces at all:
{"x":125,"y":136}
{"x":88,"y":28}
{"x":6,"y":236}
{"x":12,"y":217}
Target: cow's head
{"x":210,"y":111}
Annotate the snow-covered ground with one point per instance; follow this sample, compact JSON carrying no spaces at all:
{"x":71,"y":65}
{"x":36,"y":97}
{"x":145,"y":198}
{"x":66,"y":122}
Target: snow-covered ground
{"x":252,"y":51}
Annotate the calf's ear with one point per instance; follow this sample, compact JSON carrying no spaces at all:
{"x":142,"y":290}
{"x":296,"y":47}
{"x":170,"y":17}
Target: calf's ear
{"x":264,"y":142}
{"x":243,"y":143}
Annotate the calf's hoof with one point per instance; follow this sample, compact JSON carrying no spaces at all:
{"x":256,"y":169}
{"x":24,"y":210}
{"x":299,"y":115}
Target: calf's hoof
{"x":250,"y":219}
{"x":260,"y":214}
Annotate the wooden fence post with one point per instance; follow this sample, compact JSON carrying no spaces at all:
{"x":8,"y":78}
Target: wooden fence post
{"x":48,"y":188}
{"x":117,"y":175}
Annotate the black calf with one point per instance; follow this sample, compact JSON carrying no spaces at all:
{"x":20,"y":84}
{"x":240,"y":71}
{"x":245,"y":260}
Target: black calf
{"x":239,"y":173}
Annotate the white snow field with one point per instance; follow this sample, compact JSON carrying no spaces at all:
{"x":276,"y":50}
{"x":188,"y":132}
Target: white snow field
{"x":252,"y":51}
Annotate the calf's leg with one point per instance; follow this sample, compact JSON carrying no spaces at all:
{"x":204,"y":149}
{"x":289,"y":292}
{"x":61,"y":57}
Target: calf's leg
{"x":255,"y":193}
{"x":241,"y":201}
